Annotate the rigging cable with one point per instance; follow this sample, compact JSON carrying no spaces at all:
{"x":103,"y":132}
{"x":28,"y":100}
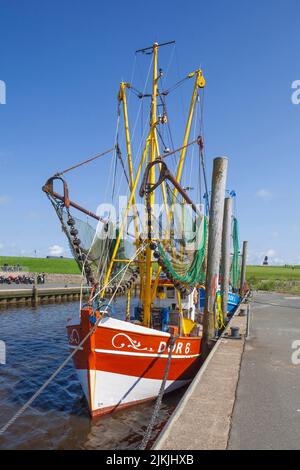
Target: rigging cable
{"x":135,"y":126}
{"x":85,"y":161}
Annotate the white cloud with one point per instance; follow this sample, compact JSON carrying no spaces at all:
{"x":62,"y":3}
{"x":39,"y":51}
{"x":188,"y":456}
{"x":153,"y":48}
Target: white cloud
{"x":264,"y":194}
{"x":256,"y":257}
{"x":1,"y":246}
{"x":3,"y":200}
{"x":56,"y":250}
{"x":271,"y":253}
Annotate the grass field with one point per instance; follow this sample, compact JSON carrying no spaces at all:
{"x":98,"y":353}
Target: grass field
{"x":39,"y":265}
{"x":274,"y":278}
{"x":273,"y":273}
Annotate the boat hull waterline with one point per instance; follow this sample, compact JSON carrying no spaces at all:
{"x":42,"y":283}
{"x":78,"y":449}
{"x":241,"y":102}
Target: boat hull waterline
{"x":122,"y":363}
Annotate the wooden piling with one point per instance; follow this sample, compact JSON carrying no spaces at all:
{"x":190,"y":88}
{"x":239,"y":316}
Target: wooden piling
{"x":214,"y":249}
{"x":225,"y":257}
{"x":35,"y":296}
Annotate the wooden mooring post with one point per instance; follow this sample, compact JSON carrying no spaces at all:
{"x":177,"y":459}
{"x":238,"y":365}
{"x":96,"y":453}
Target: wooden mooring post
{"x":225,"y":258}
{"x":214,"y":249}
{"x":35,"y":295}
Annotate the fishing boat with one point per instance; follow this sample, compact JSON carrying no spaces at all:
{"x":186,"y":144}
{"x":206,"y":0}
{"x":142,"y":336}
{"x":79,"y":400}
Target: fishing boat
{"x":124,"y":350}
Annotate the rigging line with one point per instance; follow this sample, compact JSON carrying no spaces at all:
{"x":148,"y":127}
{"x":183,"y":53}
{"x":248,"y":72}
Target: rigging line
{"x":196,"y":141}
{"x":108,"y":183}
{"x":139,"y":110}
{"x":114,"y":177}
{"x":203,"y":151}
{"x":161,"y":137}
{"x":202,"y":133}
{"x":204,"y":176}
{"x":174,"y":87}
{"x":170,"y":133}
{"x":104,"y":265}
{"x":178,"y":74}
{"x":125,"y":267}
{"x":115,"y":153}
{"x":138,"y":93}
{"x":193,"y":150}
{"x":132,"y":75}
{"x":170,"y":63}
{"x":85,"y":161}
{"x":128,"y":186}
{"x":135,"y":126}
{"x":202,"y":111}
{"x":128,"y":101}
{"x":117,"y":137}
{"x":199,"y":181}
{"x":83,"y":275}
{"x":119,"y":154}
{"x":65,"y":362}
{"x":163,"y":77}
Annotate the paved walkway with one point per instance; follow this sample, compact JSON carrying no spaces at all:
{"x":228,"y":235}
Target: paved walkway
{"x":203,"y":417}
{"x":266,"y":412}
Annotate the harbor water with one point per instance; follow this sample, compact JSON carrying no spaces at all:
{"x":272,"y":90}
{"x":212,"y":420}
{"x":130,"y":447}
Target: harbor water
{"x":36,"y":344}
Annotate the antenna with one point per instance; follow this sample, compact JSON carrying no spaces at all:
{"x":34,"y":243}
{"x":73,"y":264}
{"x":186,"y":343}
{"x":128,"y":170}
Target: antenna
{"x":145,"y":49}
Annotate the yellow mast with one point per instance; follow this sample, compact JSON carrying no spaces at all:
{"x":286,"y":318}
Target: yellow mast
{"x":151,"y":145}
{"x":121,"y":230}
{"x":199,"y":83}
{"x":122,"y":97}
{"x":148,"y":275}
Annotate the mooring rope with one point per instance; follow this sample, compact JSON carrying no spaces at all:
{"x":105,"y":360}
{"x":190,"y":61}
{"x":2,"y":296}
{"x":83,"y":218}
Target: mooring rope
{"x":149,"y":430}
{"x":65,"y":362}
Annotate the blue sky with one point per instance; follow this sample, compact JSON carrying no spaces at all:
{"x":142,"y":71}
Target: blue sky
{"x":62,"y":62}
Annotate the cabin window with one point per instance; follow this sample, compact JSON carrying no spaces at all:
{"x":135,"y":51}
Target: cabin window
{"x":170,"y":293}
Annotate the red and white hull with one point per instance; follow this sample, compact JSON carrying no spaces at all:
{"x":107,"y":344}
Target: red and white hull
{"x":122,"y":363}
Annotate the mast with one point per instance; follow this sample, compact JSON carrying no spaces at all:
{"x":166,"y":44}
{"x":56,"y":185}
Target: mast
{"x":122,"y":97}
{"x":150,"y":202}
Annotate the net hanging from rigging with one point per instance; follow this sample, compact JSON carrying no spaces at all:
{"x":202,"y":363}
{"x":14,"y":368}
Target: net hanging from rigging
{"x":235,"y":264}
{"x":183,"y":259}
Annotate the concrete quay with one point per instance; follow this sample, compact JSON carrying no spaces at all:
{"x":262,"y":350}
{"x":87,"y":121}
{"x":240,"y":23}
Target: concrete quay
{"x":246,"y":395}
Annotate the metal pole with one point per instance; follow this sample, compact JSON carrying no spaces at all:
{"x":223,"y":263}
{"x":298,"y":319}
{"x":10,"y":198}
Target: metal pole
{"x":244,"y":263}
{"x":248,"y":321}
{"x":225,"y":259}
{"x":214,"y":249}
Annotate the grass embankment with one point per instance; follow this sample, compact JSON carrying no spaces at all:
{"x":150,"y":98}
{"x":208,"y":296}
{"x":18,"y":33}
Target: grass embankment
{"x":270,"y":278}
{"x":274,"y":278}
{"x":42,"y":265}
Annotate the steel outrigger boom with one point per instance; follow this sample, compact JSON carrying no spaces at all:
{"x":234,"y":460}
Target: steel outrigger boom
{"x":48,"y":189}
